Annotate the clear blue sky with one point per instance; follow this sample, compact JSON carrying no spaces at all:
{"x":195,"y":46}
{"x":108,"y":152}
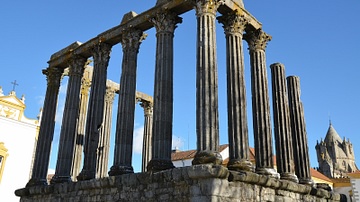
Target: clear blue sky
{"x":315,"y":40}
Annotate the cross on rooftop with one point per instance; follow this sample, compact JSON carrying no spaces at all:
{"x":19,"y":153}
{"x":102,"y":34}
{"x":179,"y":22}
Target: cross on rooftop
{"x":14,"y":85}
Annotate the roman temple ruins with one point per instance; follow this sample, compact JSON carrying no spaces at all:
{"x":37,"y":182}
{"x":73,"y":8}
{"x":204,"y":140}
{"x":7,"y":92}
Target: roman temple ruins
{"x":85,"y":126}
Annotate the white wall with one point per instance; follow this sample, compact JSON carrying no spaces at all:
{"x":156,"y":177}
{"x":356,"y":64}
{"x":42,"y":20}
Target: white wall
{"x":19,"y":139}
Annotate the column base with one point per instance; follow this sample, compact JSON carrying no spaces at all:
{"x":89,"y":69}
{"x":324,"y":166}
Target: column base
{"x":120,"y":170}
{"x":307,"y":181}
{"x":240,"y":165}
{"x":85,"y":175}
{"x":289,"y":176}
{"x":156,"y":165}
{"x":60,"y":179}
{"x":271,"y":172}
{"x":207,"y":157}
{"x":36,"y":182}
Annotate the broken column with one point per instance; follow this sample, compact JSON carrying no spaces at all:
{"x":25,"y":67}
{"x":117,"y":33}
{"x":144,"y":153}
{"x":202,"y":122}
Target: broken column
{"x":298,"y":130}
{"x":122,"y":164}
{"x":207,"y":115}
{"x":234,"y":26}
{"x":282,"y":130}
{"x":165,"y":24}
{"x":69,"y":121}
{"x":101,"y":55}
{"x":46,"y":133}
{"x":257,"y":41}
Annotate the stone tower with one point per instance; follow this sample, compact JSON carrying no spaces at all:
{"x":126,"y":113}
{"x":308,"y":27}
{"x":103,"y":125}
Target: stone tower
{"x":335,"y":156}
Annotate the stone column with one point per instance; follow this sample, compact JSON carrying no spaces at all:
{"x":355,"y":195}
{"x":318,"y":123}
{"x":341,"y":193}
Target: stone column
{"x":165,"y":24}
{"x":257,"y":41}
{"x":298,"y":130}
{"x":234,"y":25}
{"x":131,"y":41}
{"x":282,"y":130}
{"x":68,"y":126}
{"x":94,"y":121}
{"x":147,"y":139}
{"x":80,"y":134}
{"x":104,"y":142}
{"x":207,"y":115}
{"x":46,"y":133}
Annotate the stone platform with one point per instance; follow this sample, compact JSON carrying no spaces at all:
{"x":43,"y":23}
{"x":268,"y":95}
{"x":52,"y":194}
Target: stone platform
{"x":198,"y":183}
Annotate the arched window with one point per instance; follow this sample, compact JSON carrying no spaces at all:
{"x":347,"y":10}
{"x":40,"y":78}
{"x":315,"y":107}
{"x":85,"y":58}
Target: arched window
{"x":3,"y":155}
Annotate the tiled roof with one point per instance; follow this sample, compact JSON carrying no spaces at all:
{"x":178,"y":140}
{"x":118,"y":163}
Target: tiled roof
{"x":190,"y":154}
{"x":317,"y":174}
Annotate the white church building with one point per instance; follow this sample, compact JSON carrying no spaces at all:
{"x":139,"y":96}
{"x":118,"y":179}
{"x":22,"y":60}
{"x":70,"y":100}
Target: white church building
{"x":18,"y":136}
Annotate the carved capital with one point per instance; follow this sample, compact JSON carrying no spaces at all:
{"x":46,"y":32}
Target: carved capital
{"x":110,"y":95}
{"x":131,"y":39}
{"x":77,"y":65}
{"x":257,"y":40}
{"x":233,"y":23}
{"x":207,"y":6}
{"x":53,"y":76}
{"x":148,"y":107}
{"x":165,"y":22}
{"x":101,"y":53}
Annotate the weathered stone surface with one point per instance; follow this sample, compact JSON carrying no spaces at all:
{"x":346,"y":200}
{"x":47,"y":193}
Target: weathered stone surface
{"x":195,"y":183}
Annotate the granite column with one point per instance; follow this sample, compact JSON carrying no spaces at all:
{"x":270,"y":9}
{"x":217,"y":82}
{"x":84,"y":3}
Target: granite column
{"x":165,"y":24}
{"x":131,"y":41}
{"x":147,"y":138}
{"x":207,"y":115}
{"x":104,"y":141}
{"x":257,"y":41}
{"x":282,"y":130}
{"x":94,"y":121}
{"x":68,"y":126}
{"x":234,"y":25}
{"x":298,"y":130}
{"x":46,"y":133}
{"x":80,"y":134}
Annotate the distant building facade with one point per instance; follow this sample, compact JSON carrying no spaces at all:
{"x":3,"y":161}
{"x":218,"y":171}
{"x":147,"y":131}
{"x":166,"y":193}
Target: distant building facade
{"x":18,"y":136}
{"x":335,"y":155}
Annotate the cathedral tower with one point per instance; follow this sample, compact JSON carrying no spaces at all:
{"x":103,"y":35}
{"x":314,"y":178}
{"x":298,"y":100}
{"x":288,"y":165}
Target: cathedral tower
{"x":335,"y":155}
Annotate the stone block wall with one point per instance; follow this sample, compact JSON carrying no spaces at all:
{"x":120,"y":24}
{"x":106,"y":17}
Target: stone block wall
{"x":195,"y":183}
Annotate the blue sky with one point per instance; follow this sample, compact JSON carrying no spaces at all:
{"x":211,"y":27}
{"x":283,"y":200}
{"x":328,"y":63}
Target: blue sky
{"x":315,"y":40}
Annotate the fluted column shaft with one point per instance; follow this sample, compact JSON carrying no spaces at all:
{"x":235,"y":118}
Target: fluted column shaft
{"x":79,"y":135}
{"x":131,"y":41}
{"x":68,"y":126}
{"x":298,"y":130}
{"x":234,"y":26}
{"x":165,"y":24}
{"x":94,"y":121}
{"x":46,"y":133}
{"x":104,"y":142}
{"x":207,"y":115}
{"x":147,"y":139}
{"x":282,"y":127}
{"x":257,"y":41}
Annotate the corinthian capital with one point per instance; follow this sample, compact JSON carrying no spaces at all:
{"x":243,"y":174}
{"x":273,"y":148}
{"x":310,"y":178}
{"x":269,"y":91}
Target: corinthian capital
{"x":53,"y":76}
{"x":77,"y":65}
{"x":207,"y":6}
{"x":109,"y":95}
{"x":101,"y":53}
{"x":148,"y":107}
{"x":132,"y":38}
{"x":165,"y":22}
{"x":257,"y":40}
{"x":233,"y":23}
